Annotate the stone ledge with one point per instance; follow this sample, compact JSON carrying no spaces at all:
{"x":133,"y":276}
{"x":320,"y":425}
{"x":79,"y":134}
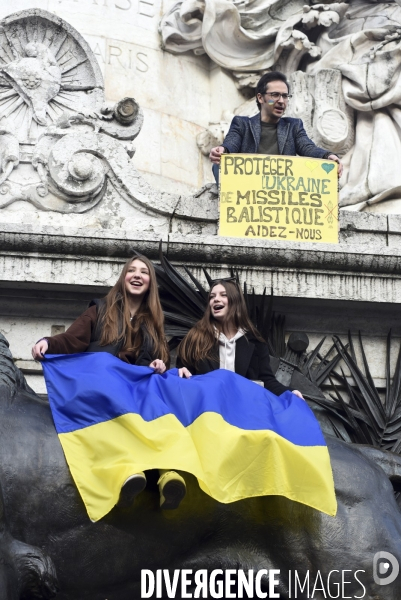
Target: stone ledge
{"x":362,"y":221}
{"x":232,"y":251}
{"x":81,"y":273}
{"x":78,"y":257}
{"x":29,"y":366}
{"x":394,"y":223}
{"x":103,"y":242}
{"x":77,"y":245}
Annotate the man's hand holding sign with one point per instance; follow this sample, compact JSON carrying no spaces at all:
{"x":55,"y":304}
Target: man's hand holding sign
{"x":278,"y":197}
{"x":271,"y":190}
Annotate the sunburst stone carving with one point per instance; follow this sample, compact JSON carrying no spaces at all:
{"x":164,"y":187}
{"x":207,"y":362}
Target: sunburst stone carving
{"x":46,"y":71}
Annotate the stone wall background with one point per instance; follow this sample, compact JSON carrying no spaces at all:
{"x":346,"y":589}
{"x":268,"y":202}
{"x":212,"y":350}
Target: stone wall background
{"x":320,"y":289}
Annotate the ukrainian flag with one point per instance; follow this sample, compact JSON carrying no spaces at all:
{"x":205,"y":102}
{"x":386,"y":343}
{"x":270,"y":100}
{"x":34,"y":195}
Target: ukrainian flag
{"x":239,"y":440}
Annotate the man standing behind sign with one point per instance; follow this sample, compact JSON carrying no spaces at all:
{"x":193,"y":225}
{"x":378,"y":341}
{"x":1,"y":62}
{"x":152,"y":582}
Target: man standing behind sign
{"x":270,"y":132}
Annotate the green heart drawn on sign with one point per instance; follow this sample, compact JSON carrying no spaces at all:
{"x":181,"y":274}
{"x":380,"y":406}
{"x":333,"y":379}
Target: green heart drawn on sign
{"x":327,"y":167}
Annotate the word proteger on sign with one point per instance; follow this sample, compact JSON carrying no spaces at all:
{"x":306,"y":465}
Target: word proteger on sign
{"x":279,"y":198}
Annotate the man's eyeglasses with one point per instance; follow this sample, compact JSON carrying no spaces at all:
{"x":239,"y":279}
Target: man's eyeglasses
{"x":276,"y":95}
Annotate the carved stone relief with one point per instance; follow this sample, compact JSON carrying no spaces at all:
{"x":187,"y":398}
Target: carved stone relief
{"x":318,"y":100}
{"x":46,"y":71}
{"x":62,"y":147}
{"x":344,"y":60}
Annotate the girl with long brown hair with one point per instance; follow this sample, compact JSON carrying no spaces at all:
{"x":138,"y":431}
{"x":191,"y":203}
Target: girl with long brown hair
{"x":225,"y":338}
{"x":127,"y":323}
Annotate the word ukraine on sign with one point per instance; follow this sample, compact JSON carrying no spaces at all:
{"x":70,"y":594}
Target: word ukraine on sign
{"x":278,"y":197}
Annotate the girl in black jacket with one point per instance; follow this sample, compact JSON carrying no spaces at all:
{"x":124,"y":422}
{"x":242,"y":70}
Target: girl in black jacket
{"x":225,"y":338}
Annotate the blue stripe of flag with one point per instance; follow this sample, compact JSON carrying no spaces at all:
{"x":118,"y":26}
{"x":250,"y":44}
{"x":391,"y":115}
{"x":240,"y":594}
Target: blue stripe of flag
{"x":90,"y":388}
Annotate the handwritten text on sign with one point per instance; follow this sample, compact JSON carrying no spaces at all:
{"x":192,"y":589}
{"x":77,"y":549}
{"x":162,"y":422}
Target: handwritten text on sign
{"x":278,"y":197}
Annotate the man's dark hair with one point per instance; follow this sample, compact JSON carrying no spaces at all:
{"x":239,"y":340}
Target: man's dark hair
{"x":267,"y":78}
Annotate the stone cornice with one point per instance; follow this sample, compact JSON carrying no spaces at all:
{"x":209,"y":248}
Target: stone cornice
{"x":369,"y":243}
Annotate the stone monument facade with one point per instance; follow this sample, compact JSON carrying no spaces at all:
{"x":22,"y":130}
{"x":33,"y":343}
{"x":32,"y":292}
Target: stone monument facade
{"x":103,"y":137}
{"x":79,"y":190}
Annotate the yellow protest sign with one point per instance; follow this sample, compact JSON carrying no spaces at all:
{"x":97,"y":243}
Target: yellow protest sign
{"x":279,"y":198}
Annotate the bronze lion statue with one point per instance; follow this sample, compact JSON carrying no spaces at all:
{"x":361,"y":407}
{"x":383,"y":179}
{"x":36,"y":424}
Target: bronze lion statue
{"x":49,"y":547}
